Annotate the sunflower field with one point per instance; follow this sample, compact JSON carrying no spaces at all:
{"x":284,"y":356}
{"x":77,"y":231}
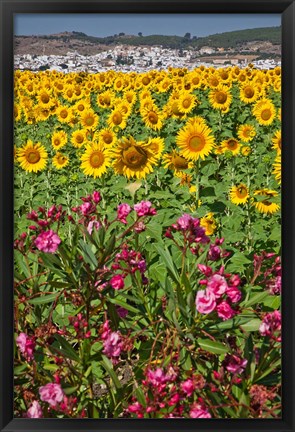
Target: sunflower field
{"x":147,"y":244}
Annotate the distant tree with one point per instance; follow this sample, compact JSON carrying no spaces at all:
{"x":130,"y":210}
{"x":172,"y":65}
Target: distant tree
{"x":140,"y":34}
{"x":121,"y":34}
{"x":187,"y":36}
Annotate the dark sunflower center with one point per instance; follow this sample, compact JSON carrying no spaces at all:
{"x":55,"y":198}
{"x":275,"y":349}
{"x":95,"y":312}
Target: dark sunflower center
{"x":135,"y":157}
{"x":196,"y":143}
{"x":249,"y":92}
{"x":80,"y":107}
{"x":45,"y":98}
{"x":30,"y":87}
{"x":214,"y":82}
{"x":56,"y":142}
{"x":220,"y":97}
{"x":180,"y":162}
{"x":69,"y":93}
{"x":107,"y":100}
{"x":117,"y":118}
{"x":64,"y":114}
{"x":108,"y":138}
{"x":242,"y":191}
{"x":186,"y":103}
{"x":96,"y":159}
{"x":232,"y":144}
{"x":153,"y":118}
{"x":89,"y":121}
{"x":61,"y":159}
{"x":79,"y":139}
{"x":266,"y":114}
{"x":195,"y":80}
{"x":33,"y":156}
{"x":146,"y":80}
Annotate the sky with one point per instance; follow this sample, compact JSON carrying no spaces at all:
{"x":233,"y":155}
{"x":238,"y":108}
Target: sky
{"x":162,"y":24}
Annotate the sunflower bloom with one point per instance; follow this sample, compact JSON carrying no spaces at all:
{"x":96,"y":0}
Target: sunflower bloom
{"x":220,"y":98}
{"x":95,"y":160}
{"x":89,"y":119}
{"x":133,"y":159}
{"x":266,"y":205}
{"x":246,"y":132}
{"x":231,"y":145}
{"x":208,"y":222}
{"x":239,"y":194}
{"x":32,"y":157}
{"x":195,"y":141}
{"x":59,"y":139}
{"x":60,"y":160}
{"x":264,"y":112}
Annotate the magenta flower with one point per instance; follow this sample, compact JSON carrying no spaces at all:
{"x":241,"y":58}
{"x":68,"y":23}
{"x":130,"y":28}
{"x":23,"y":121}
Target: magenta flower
{"x":35,"y":410}
{"x":205,"y":301}
{"x":234,"y":294}
{"x":217,"y":285}
{"x":235,"y":364}
{"x":224,"y":311}
{"x":51,"y":393}
{"x":271,"y":324}
{"x":144,"y":208}
{"x":117,"y":282}
{"x":198,"y":411}
{"x":47,"y":241}
{"x":26,"y":346}
{"x":93,"y":224}
{"x":113,"y":345}
{"x":188,"y":387}
{"x":123,"y":211}
{"x":96,"y":197}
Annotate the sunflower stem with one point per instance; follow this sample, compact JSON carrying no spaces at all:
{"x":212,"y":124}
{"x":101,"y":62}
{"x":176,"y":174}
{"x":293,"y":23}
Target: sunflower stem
{"x":197,"y":172}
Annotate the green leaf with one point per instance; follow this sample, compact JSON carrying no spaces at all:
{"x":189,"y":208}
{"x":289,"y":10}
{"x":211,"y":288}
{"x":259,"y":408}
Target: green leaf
{"x":252,"y":325}
{"x":121,"y":303}
{"x":254,"y":299}
{"x":66,"y":348}
{"x":107,"y":364}
{"x":165,"y":255}
{"x":212,"y":346}
{"x":88,"y":254}
{"x":49,"y":298}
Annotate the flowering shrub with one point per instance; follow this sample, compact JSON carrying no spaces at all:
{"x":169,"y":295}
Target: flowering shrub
{"x":192,"y":344}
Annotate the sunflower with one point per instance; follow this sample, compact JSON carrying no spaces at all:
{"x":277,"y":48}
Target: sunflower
{"x":69,"y":93}
{"x":277,"y":168}
{"x":208,"y":222}
{"x":133,"y":159}
{"x":156,"y":146}
{"x":106,"y":99}
{"x":195,"y":141}
{"x":59,"y":139}
{"x":174,"y":161}
{"x":78,"y":138}
{"x":246,"y":150}
{"x":89,"y":119}
{"x":64,"y":114}
{"x":107,"y":137}
{"x":232,"y":145}
{"x":32,"y":157}
{"x":81,"y":106}
{"x":187,"y":102}
{"x":264,"y":112}
{"x":117,"y":119}
{"x":248,"y":93}
{"x":277,"y":141}
{"x":220,"y":98}
{"x":239,"y":194}
{"x":60,"y":160}
{"x":130,"y":96}
{"x":44,"y":98}
{"x":266,"y":206}
{"x":95,"y":160}
{"x":246,"y":132}
{"x":152,"y":118}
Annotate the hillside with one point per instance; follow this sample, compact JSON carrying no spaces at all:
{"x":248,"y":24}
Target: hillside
{"x":61,"y":43}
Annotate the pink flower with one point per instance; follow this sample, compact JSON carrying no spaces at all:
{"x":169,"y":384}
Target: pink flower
{"x":47,"y":241}
{"x":117,"y":282}
{"x":86,"y":208}
{"x":198,"y":411}
{"x":122,"y":212}
{"x":113,"y":345}
{"x":217,"y":285}
{"x":157,"y":377}
{"x":96,"y":197}
{"x":188,"y":387}
{"x":26,"y":346}
{"x":271,"y":324}
{"x":214,"y":253}
{"x":235,"y":364}
{"x":224,"y":311}
{"x":35,"y":410}
{"x":93,"y":224}
{"x":51,"y":393}
{"x":234,"y":294}
{"x":184,"y":222}
{"x":144,"y":208}
{"x":205,"y":301}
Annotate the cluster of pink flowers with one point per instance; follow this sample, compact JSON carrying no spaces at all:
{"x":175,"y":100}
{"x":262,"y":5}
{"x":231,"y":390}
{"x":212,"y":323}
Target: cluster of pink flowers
{"x":26,"y":346}
{"x":51,"y":393}
{"x":35,"y":410}
{"x":167,"y":394}
{"x":215,"y":251}
{"x":271,"y":325}
{"x":112,"y":342}
{"x":222,"y":291}
{"x":88,"y":212}
{"x":269,"y":273}
{"x":191,"y":230}
{"x":234,"y":364}
{"x":127,"y":262}
{"x":80,"y":325}
{"x":47,"y":241}
{"x":144,"y":208}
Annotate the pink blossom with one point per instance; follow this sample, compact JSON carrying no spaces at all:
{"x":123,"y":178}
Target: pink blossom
{"x":235,"y":364}
{"x":157,"y":377}
{"x":198,"y":411}
{"x":206,"y":270}
{"x":26,"y":346}
{"x":224,"y":311}
{"x":51,"y":393}
{"x":113,"y":345}
{"x":205,"y":301}
{"x":96,"y":197}
{"x":117,"y":282}
{"x":184,"y":221}
{"x":93,"y":224}
{"x":35,"y":410}
{"x":217,"y":285}
{"x":271,"y":324}
{"x":135,"y":408}
{"x":234,"y":294}
{"x":47,"y":241}
{"x":144,"y":208}
{"x":122,"y":212}
{"x":188,"y":387}
{"x":214,"y":253}
{"x":86,"y":208}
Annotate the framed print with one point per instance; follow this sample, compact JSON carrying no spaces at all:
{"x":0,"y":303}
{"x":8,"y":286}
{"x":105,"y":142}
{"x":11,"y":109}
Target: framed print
{"x":147,"y":215}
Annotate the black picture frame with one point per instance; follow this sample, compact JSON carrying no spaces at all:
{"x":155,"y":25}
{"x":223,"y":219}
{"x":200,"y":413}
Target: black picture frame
{"x":10,"y":7}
